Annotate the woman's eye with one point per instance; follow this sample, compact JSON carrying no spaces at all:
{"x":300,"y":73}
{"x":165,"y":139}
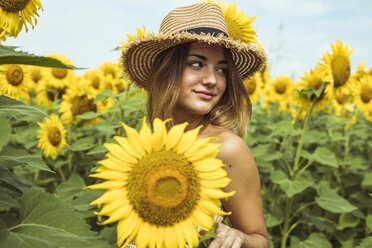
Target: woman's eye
{"x":222,"y":70}
{"x":196,"y":64}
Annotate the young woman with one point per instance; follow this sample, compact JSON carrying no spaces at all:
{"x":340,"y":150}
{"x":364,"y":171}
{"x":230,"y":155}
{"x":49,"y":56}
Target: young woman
{"x":193,"y":72}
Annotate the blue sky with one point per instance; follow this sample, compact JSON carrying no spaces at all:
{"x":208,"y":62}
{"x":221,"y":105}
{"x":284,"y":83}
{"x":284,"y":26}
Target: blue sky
{"x":294,"y":33}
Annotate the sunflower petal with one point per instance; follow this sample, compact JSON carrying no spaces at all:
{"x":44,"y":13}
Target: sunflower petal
{"x":159,"y":134}
{"x":145,"y":135}
{"x":187,"y":140}
{"x":134,"y":139}
{"x":170,"y":237}
{"x":174,"y":135}
{"x":207,"y":193}
{"x":202,"y":220}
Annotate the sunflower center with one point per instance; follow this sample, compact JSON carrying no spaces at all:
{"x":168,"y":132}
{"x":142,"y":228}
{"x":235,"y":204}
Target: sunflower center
{"x":280,"y":87}
{"x":235,"y":32}
{"x":163,"y":188}
{"x":341,"y":70}
{"x":366,"y":94}
{"x":82,"y":104}
{"x":316,"y":83}
{"x":59,"y":73}
{"x":251,"y":86}
{"x":14,"y":75}
{"x":14,"y":6}
{"x":95,"y":83}
{"x":54,"y":136}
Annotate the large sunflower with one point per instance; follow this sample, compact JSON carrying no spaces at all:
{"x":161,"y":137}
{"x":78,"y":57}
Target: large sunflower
{"x":14,"y":14}
{"x":52,"y":136}
{"x":161,"y":186}
{"x":110,"y":68}
{"x":363,"y":95}
{"x":278,"y":91}
{"x":237,"y":22}
{"x":337,"y":67}
{"x":15,"y":81}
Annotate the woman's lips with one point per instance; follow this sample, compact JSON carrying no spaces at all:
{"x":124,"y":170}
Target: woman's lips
{"x":204,"y":95}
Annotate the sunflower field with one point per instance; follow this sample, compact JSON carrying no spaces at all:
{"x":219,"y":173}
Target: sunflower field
{"x":62,"y":134}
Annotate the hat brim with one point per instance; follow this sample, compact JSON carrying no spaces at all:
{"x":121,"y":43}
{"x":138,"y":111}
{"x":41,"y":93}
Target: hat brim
{"x":139,"y":55}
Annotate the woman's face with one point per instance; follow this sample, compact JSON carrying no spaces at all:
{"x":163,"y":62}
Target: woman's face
{"x":203,"y":80}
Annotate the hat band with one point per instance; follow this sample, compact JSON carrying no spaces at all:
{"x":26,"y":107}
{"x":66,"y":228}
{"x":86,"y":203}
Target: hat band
{"x":206,"y":30}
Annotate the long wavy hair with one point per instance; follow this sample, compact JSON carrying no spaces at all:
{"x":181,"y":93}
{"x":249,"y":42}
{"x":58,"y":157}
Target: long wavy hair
{"x":233,"y":111}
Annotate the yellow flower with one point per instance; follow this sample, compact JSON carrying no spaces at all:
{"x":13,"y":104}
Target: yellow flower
{"x":313,"y":79}
{"x":337,"y":69}
{"x":77,"y":101}
{"x":341,"y":102}
{"x":279,"y":91}
{"x":237,"y":22}
{"x":161,"y":186}
{"x":253,"y":86}
{"x":110,"y":68}
{"x":363,"y":95}
{"x":52,"y":136}
{"x":58,"y":77}
{"x":141,"y":32}
{"x":15,"y":81}
{"x":14,"y":14}
{"x":49,"y":93}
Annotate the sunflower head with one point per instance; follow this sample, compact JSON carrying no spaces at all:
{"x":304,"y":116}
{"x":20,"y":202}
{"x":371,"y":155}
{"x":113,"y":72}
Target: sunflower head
{"x":237,"y":22}
{"x":363,"y":94}
{"x":14,"y":81}
{"x":161,"y":185}
{"x":52,"y":136}
{"x":141,"y":32}
{"x":253,"y":86}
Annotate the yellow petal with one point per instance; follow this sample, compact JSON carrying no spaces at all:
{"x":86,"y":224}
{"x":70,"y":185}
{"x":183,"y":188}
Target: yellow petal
{"x":180,"y":236}
{"x":146,"y":136}
{"x":112,"y":206}
{"x":190,"y":232}
{"x":159,"y":134}
{"x":207,"y":193}
{"x":170,"y":238}
{"x":143,"y":235}
{"x":216,"y":183}
{"x":120,"y":153}
{"x":125,"y":228}
{"x":202,"y":220}
{"x":209,"y":151}
{"x":208,"y":165}
{"x":160,"y":237}
{"x":120,"y":213}
{"x":124,"y":143}
{"x":134,"y":139}
{"x":199,"y":145}
{"x":107,"y":185}
{"x":153,"y":236}
{"x":126,"y":161}
{"x":174,"y":135}
{"x":187,"y":140}
{"x":116,"y":165}
{"x":212,"y":175}
{"x":211,"y":207}
{"x":109,"y":195}
{"x":111,"y":175}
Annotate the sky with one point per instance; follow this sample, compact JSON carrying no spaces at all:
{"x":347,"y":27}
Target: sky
{"x":294,"y":33}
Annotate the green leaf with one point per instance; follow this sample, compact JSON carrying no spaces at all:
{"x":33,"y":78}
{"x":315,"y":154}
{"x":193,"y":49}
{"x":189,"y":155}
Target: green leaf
{"x":71,"y":188}
{"x":321,"y":155}
{"x":83,"y":144}
{"x":8,"y":55}
{"x":366,"y":243}
{"x":7,"y":180}
{"x":46,"y":221}
{"x":329,"y":200}
{"x":290,"y":187}
{"x":316,"y":240}
{"x":12,"y":157}
{"x":273,"y":219}
{"x":13,"y":108}
{"x":203,"y":241}
{"x":367,"y":181}
{"x":97,"y":150}
{"x":5,"y":131}
{"x":346,"y":220}
{"x":6,"y":200}
{"x":103,"y":95}
{"x":89,"y":115}
{"x":369,"y":222}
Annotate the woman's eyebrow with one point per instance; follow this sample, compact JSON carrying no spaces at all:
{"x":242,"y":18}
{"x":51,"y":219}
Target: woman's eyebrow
{"x":206,"y":59}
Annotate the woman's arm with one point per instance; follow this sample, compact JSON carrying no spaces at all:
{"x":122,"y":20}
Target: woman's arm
{"x":246,"y":205}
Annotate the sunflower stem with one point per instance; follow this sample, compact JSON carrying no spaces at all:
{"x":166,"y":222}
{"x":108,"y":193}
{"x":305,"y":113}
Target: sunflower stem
{"x":287,"y":219}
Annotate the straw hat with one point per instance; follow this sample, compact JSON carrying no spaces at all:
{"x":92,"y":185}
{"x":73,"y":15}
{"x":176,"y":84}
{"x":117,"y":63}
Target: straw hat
{"x":198,"y":22}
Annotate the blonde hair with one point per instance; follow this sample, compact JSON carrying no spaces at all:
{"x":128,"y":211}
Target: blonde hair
{"x":233,"y":110}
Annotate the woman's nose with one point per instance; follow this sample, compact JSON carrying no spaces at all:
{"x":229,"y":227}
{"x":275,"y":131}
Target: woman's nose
{"x":209,"y":77}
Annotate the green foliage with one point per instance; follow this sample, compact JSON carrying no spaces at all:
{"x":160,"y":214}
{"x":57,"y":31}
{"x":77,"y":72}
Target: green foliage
{"x":8,"y":55}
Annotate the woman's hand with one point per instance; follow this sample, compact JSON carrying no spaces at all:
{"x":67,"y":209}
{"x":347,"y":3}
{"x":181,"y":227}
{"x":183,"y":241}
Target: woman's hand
{"x":227,"y":237}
